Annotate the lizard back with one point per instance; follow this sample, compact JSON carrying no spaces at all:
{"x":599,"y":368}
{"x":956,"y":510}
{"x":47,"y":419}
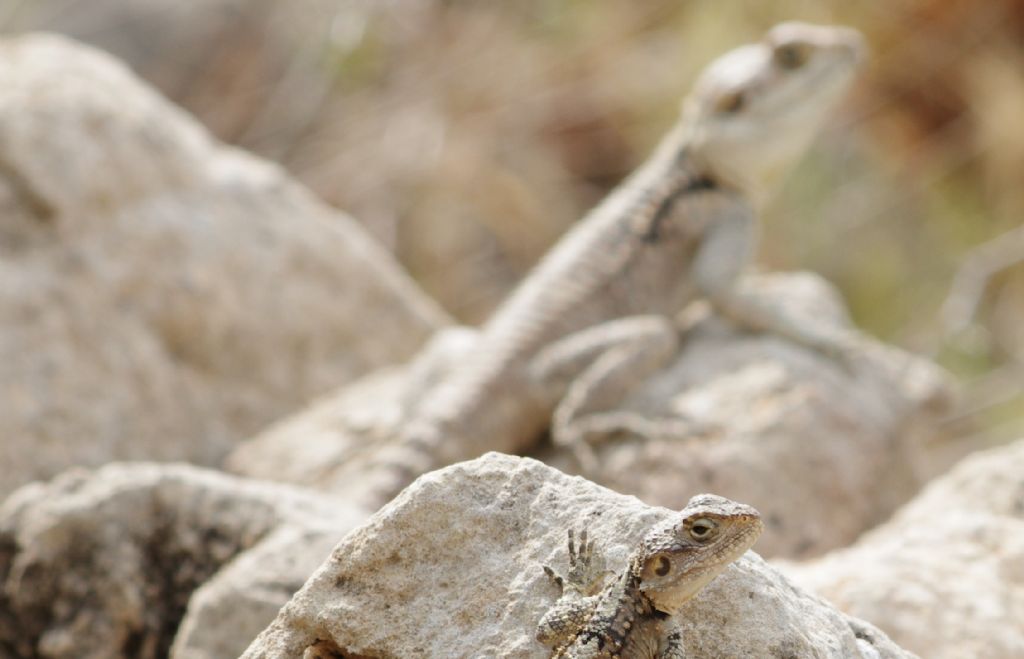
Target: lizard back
{"x":628,"y":256}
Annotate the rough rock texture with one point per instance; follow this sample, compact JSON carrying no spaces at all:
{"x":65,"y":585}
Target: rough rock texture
{"x":823,"y":452}
{"x":944,"y":577}
{"x":104,"y":563}
{"x":451,"y":568}
{"x":164,"y":296}
{"x":310,"y":446}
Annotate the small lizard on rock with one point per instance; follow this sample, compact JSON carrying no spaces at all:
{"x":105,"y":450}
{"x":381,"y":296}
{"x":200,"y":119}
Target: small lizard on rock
{"x":630,"y":616}
{"x":595,"y":317}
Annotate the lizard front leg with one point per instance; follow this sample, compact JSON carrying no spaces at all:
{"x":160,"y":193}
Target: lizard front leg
{"x":724,"y":252}
{"x":578,"y":592}
{"x":595,"y":370}
{"x":671,"y":646}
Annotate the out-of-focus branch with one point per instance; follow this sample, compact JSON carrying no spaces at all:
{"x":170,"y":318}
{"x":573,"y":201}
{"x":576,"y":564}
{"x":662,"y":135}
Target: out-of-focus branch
{"x":972,"y":279}
{"x":997,"y":387}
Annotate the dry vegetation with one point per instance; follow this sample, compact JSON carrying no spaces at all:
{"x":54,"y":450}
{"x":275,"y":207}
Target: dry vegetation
{"x":468,"y":135}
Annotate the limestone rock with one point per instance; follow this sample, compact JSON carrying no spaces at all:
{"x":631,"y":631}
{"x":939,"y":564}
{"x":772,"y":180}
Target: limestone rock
{"x":164,"y":295}
{"x":945,"y":576}
{"x":226,"y":612}
{"x":451,"y":568}
{"x":314,"y":446}
{"x":824,"y":452}
{"x":107,"y":564}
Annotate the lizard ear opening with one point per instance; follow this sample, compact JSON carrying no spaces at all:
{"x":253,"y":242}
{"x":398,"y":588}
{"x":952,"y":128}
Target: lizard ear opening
{"x":658,"y":566}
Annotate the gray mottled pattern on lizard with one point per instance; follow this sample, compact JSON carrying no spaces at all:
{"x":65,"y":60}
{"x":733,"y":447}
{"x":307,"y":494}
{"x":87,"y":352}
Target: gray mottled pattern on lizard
{"x":595,"y":317}
{"x":629,"y":615}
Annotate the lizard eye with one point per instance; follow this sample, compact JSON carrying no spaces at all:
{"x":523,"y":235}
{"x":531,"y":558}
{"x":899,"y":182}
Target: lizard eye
{"x":791,"y":56}
{"x":730,"y":103}
{"x":702,"y":529}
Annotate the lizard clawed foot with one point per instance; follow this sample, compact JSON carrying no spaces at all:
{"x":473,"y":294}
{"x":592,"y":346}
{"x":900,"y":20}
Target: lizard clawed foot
{"x":556,"y":578}
{"x":583,"y":434}
{"x":587,"y":573}
{"x":582,"y":452}
{"x":578,"y":437}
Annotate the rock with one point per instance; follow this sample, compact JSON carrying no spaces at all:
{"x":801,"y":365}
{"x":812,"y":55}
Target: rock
{"x":945,"y":576}
{"x":106,"y":564}
{"x":824,"y":452}
{"x":164,"y":295}
{"x":315,"y":446}
{"x":451,"y":567}
{"x":226,"y":612}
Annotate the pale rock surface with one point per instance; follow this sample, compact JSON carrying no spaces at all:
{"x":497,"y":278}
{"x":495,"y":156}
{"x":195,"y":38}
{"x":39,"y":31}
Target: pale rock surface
{"x":108,"y":563}
{"x":822,"y":451}
{"x":163,"y":295}
{"x":451,"y":568}
{"x":945,"y":577}
{"x":312,"y":446}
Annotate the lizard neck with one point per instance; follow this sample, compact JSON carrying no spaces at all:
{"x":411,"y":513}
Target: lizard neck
{"x":631,"y":593}
{"x":677,"y":158}
{"x":672,"y":172}
{"x":704,"y":159}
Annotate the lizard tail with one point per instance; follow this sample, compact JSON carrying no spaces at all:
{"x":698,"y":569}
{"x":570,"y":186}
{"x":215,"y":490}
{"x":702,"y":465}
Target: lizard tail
{"x":397,"y":464}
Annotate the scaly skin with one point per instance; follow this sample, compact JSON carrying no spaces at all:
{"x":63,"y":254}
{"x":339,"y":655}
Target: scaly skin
{"x":595,"y":316}
{"x":631,"y":616}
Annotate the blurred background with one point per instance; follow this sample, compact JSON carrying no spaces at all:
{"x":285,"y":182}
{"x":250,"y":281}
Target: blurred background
{"x":467,"y":136}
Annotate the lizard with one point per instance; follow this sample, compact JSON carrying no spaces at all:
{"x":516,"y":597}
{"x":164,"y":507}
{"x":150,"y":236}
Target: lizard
{"x":630,"y":615}
{"x":598,"y":310}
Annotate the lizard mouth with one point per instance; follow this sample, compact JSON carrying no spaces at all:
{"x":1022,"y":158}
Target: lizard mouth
{"x":734,"y":547}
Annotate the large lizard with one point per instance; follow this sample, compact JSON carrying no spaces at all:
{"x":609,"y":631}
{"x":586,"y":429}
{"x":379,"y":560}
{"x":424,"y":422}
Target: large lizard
{"x":598,"y":310}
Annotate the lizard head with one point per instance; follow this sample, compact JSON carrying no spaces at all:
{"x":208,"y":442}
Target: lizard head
{"x":755,"y":109}
{"x":682,"y":555}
